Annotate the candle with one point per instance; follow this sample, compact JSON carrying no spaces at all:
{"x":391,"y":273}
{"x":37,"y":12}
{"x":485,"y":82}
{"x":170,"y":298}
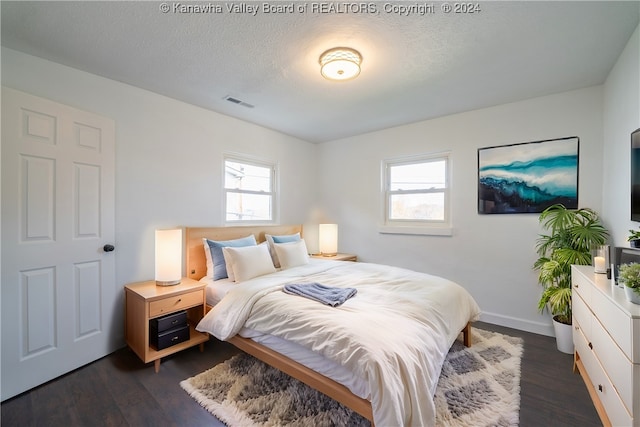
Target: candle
{"x":599,"y":264}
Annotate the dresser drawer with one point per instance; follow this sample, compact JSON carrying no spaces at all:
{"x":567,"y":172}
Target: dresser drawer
{"x":175,"y":303}
{"x":581,"y":286}
{"x":582,"y":315}
{"x":618,"y":323}
{"x":604,"y":389}
{"x":618,"y":368}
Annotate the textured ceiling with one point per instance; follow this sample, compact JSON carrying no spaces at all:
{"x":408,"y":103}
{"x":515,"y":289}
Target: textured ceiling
{"x":415,"y":67}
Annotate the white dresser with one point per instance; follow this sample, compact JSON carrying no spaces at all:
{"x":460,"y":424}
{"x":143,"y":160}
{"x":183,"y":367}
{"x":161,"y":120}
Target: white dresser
{"x":606,"y":334}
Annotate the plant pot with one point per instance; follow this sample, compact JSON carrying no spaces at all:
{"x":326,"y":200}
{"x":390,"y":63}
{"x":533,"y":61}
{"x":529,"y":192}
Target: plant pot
{"x":564,"y":337}
{"x":635,"y":243}
{"x":632,"y":296}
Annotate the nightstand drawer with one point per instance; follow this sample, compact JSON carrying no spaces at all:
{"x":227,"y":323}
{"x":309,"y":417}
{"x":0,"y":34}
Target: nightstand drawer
{"x":175,"y":303}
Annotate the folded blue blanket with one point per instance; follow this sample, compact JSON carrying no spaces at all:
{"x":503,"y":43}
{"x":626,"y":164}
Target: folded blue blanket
{"x":325,"y":294}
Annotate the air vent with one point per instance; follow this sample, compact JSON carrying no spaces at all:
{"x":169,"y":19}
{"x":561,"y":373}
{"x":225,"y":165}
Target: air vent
{"x":238,"y":101}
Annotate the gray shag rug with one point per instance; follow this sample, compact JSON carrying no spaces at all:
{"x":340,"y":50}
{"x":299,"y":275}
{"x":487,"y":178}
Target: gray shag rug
{"x":478,"y":386}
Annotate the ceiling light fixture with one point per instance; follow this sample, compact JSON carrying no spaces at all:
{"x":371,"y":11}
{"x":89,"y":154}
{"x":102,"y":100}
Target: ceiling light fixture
{"x":340,"y":63}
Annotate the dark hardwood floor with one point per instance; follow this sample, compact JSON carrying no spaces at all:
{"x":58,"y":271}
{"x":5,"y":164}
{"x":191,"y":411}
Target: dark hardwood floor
{"x":119,"y":390}
{"x":550,"y":393}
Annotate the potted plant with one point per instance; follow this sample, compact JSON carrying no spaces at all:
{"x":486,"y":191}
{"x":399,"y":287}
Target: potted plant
{"x":630,"y":277}
{"x":571,"y":235}
{"x":634,"y":238}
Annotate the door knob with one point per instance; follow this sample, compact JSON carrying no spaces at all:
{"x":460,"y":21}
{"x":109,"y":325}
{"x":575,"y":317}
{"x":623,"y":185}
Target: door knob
{"x":108,"y":248}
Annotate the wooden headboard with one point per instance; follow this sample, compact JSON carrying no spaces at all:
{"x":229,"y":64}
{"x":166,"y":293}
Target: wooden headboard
{"x":196,"y":263}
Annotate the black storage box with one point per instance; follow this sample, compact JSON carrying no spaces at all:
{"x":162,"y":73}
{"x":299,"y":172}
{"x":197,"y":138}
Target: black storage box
{"x":169,"y":321}
{"x":165,"y":339}
{"x":168,"y":330}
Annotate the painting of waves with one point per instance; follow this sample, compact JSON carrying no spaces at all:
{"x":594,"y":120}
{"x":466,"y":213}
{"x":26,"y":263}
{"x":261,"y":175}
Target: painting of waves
{"x":528,"y":177}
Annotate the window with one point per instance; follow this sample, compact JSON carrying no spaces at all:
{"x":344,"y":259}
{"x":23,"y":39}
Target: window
{"x":416,"y":194}
{"x":249,"y":190}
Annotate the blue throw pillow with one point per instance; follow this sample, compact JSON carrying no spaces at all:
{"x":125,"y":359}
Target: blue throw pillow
{"x":286,"y":239}
{"x":217,"y":257}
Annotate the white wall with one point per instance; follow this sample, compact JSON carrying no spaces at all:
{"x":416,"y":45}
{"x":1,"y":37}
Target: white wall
{"x":490,"y":255}
{"x":168,"y":157}
{"x":621,"y":117}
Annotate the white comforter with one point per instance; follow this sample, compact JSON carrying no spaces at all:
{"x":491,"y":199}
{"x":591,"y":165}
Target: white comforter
{"x":394,"y":334}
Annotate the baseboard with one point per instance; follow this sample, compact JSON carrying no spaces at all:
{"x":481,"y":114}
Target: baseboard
{"x":517,"y":323}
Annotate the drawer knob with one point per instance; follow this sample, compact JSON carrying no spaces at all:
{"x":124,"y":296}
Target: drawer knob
{"x":591,"y":346}
{"x":600,"y":388}
{"x":576,"y":286}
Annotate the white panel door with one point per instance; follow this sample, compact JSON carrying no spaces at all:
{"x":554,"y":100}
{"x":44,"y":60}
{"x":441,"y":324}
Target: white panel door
{"x":58,"y":283}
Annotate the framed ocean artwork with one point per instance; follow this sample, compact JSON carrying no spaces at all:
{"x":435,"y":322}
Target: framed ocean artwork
{"x":528,"y":177}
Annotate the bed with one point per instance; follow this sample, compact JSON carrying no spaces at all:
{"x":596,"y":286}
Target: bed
{"x":388,"y":376}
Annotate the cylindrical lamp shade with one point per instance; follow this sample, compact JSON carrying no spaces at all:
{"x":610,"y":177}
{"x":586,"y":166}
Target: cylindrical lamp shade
{"x":168,"y":257}
{"x":328,"y":239}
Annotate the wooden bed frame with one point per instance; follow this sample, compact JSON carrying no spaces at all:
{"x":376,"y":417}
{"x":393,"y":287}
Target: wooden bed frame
{"x":196,"y":268}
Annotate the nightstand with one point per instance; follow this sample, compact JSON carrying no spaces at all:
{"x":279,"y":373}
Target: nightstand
{"x":337,"y":257}
{"x":145,"y":301}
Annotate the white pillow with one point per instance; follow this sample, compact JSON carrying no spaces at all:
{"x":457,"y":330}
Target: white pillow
{"x":292,"y":254}
{"x":272,"y":240}
{"x":229,"y":266}
{"x":249,"y":261}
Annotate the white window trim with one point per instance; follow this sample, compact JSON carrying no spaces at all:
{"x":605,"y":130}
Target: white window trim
{"x":242,"y":158}
{"x":431,"y":228}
